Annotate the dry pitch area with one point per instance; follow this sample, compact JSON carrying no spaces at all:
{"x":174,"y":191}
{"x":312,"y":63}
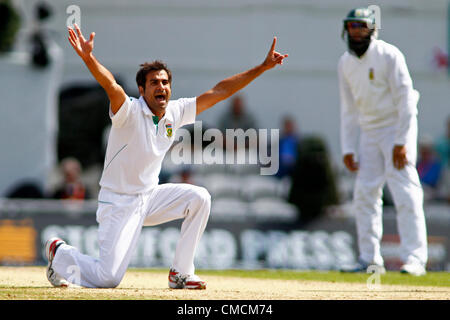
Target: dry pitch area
{"x":31,"y":283}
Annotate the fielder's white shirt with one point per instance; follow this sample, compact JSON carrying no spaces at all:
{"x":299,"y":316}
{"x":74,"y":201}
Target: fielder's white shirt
{"x":376,"y":91}
{"x":137,"y":146}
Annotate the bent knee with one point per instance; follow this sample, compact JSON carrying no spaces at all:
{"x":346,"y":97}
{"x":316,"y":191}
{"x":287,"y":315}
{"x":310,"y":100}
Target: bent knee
{"x":109,"y":280}
{"x":202,"y":194}
{"x":111,"y":284}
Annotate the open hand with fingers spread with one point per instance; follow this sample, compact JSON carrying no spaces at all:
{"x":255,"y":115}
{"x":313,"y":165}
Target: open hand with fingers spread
{"x":82,"y":46}
{"x":104,"y":77}
{"x":273,"y":57}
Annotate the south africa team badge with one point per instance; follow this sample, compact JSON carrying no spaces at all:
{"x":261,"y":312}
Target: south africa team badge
{"x":371,"y":74}
{"x":169,"y":130}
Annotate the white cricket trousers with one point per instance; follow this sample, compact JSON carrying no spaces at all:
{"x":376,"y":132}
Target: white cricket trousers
{"x":375,"y":169}
{"x":121,"y":218}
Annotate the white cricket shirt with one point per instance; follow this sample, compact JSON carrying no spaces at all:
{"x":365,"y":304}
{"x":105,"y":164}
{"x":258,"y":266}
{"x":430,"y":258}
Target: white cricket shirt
{"x":376,"y":91}
{"x":137,"y":146}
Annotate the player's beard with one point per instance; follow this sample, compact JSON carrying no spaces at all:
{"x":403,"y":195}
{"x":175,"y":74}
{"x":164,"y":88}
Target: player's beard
{"x":359,"y":47}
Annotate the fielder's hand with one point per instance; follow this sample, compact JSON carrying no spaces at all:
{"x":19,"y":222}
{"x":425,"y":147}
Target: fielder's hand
{"x":350,"y":163}
{"x":399,"y":157}
{"x":273,"y":58}
{"x":82,"y":46}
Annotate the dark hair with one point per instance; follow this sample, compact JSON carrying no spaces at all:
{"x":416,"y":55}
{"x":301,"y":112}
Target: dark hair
{"x":147,"y":67}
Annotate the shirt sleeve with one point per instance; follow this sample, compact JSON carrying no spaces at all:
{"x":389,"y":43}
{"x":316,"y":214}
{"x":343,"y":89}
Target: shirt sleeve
{"x":120,"y":118}
{"x":349,"y":115}
{"x":188,"y":110}
{"x":404,"y":95}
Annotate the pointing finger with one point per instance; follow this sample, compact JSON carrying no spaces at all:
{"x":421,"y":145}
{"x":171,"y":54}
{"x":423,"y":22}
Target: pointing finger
{"x":274,"y":42}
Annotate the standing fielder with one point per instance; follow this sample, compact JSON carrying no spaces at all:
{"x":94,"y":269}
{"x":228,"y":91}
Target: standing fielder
{"x":142,"y":132}
{"x":377,"y":94}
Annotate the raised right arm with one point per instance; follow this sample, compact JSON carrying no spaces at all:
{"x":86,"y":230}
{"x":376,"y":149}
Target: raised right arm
{"x":104,"y":77}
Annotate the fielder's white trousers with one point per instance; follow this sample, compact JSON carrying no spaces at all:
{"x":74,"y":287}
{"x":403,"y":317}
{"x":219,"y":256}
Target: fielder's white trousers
{"x":121,"y":218}
{"x":375,"y":169}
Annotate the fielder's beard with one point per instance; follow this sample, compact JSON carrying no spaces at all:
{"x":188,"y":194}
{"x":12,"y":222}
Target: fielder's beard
{"x":359,"y":47}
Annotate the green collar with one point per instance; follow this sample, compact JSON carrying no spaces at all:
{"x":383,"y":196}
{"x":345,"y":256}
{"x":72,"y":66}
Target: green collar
{"x":155,"y":119}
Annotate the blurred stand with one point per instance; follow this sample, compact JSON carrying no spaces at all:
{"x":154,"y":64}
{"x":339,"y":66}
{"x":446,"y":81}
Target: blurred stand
{"x":442,"y":145}
{"x":30,"y":73}
{"x":26,"y":189}
{"x":429,"y":168}
{"x":83,"y":124}
{"x":442,"y":148}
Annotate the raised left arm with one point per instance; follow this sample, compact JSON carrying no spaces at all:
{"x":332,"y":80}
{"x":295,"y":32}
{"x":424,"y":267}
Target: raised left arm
{"x":233,"y":84}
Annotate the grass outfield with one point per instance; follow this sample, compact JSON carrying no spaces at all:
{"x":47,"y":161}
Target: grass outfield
{"x":435,"y":279}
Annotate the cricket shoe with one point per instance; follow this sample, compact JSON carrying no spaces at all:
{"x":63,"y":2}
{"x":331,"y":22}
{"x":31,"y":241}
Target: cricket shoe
{"x":364,"y":267}
{"x":50,"y":250}
{"x":185,"y":281}
{"x":414,"y":269}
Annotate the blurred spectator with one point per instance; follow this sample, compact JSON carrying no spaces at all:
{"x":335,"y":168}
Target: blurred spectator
{"x":39,"y":51}
{"x":185,"y":175}
{"x":27,"y":189}
{"x":444,"y":187}
{"x":313,"y":181}
{"x":443,"y":146}
{"x":237,"y":117}
{"x":9,"y":25}
{"x":289,"y":144}
{"x":429,"y":168}
{"x":72,"y":186}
